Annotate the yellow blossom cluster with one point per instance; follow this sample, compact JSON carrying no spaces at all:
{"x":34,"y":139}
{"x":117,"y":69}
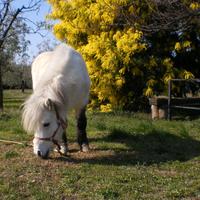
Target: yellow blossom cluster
{"x":195,"y":5}
{"x":182,"y":45}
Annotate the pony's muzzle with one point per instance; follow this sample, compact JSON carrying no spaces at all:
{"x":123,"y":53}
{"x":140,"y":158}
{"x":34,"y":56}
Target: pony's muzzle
{"x":43,"y":155}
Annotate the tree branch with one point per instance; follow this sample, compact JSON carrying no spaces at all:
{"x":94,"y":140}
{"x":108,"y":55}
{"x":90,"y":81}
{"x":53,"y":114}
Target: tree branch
{"x":6,"y":8}
{"x":33,"y":6}
{"x":9,"y":26}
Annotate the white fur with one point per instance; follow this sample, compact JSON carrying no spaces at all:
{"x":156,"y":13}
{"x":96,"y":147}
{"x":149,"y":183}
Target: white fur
{"x":61,"y":76}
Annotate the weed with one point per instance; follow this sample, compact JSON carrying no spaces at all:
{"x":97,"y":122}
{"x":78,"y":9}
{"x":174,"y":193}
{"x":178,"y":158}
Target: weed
{"x":10,"y":154}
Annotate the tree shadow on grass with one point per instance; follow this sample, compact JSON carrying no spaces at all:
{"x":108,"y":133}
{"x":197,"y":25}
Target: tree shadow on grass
{"x":143,"y":149}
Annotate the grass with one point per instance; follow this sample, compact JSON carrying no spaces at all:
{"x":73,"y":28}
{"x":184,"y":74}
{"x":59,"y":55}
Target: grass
{"x":131,"y":157}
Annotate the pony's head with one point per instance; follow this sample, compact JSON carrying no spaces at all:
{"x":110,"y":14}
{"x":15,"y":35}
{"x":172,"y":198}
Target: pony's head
{"x":41,"y":117}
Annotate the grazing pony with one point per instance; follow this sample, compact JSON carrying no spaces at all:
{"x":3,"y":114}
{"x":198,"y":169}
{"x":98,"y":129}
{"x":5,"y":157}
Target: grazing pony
{"x":60,"y":83}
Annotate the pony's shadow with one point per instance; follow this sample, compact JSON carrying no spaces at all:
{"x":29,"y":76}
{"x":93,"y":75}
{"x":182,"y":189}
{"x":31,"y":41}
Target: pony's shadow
{"x":141,"y":149}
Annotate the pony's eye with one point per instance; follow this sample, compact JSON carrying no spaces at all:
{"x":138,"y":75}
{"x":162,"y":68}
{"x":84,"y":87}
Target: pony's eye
{"x":46,"y":124}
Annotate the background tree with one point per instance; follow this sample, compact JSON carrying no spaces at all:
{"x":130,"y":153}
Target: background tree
{"x":12,"y":78}
{"x":132,"y":48}
{"x":12,"y":27}
{"x":47,"y":45}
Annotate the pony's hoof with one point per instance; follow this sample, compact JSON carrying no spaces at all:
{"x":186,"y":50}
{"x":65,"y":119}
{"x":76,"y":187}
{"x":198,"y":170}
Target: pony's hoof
{"x":63,"y":150}
{"x":85,"y":148}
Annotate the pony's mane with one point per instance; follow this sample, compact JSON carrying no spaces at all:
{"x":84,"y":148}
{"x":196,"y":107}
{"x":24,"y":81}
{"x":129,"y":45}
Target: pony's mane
{"x":34,"y":106}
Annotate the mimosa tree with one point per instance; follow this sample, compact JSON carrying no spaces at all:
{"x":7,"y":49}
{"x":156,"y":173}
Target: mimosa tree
{"x":128,"y":54}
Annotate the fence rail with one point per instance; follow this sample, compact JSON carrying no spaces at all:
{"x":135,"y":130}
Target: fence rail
{"x":170,"y":105}
{"x":162,"y":106}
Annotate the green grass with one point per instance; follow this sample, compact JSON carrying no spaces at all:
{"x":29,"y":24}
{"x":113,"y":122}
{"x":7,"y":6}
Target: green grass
{"x":131,"y":157}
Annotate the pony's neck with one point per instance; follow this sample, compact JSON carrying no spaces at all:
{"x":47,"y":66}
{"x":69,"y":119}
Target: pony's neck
{"x":57,"y":97}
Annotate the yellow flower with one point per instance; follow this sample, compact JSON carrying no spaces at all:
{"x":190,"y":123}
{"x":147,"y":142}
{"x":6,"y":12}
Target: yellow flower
{"x":136,"y":71}
{"x":149,"y":92}
{"x":195,"y":6}
{"x":122,"y":70}
{"x":152,"y":62}
{"x":187,"y":75}
{"x":106,"y":108}
{"x":177,"y":46}
{"x":186,"y":44}
{"x":119,"y":83}
{"x":151,"y":82}
{"x":168,"y":77}
{"x":168,"y":62}
{"x":131,"y":9}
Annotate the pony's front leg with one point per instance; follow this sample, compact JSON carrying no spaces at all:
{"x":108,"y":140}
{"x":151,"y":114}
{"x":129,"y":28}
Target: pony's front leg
{"x":81,"y":130}
{"x":64,"y":146}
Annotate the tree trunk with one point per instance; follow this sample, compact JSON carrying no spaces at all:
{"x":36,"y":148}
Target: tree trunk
{"x":1,"y":90}
{"x":23,"y":86}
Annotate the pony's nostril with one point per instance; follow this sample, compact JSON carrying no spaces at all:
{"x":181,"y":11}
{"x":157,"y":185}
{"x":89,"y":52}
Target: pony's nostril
{"x":39,"y":153}
{"x":44,"y":156}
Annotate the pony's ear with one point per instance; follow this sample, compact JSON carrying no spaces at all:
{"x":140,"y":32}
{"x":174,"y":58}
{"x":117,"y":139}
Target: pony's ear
{"x":49,"y":104}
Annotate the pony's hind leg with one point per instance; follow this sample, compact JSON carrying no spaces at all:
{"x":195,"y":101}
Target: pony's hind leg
{"x":81,"y":130}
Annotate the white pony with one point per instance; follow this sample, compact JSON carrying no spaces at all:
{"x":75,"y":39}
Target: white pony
{"x":60,"y":83}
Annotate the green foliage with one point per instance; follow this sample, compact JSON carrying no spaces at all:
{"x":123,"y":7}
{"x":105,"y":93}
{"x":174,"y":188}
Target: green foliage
{"x":13,"y":76}
{"x":13,"y":51}
{"x":124,"y":64}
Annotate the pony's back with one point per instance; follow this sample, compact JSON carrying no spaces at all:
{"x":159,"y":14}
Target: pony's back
{"x":39,"y":67}
{"x":63,"y":66}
